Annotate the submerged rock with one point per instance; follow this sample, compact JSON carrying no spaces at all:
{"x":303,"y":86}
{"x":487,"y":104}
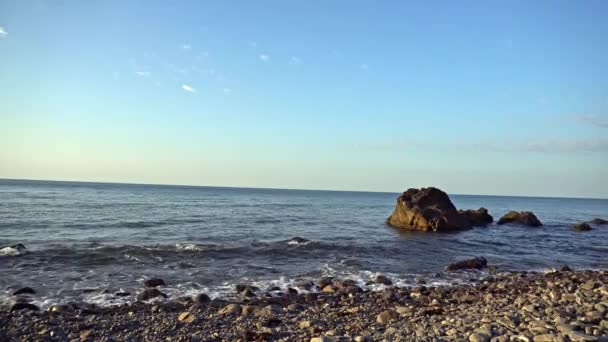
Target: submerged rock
{"x":24,"y":290}
{"x":24,"y":306}
{"x":581,"y":227}
{"x":475,"y":263}
{"x":525,"y":218}
{"x":154,"y":282}
{"x":426,"y":209}
{"x":479,"y":217}
{"x":598,"y":221}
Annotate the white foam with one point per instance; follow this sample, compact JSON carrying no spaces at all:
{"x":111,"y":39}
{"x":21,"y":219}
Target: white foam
{"x":187,"y":247}
{"x":11,"y":251}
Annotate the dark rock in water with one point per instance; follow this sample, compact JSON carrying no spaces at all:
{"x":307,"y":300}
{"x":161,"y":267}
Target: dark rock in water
{"x":598,"y":221}
{"x":581,"y":227}
{"x":297,"y":241}
{"x":274,"y":288}
{"x":201,"y":298}
{"x":292,"y":291}
{"x":24,"y":290}
{"x":24,"y":306}
{"x":525,"y":218}
{"x":420,"y":281}
{"x":475,"y":263}
{"x":122,"y":294}
{"x":478,"y":218}
{"x":151,"y":293}
{"x":426,"y":209}
{"x":382,"y":279}
{"x":565,"y":268}
{"x":154,"y":282}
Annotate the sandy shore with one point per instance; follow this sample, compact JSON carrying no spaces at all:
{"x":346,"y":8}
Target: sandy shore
{"x":557,"y":306}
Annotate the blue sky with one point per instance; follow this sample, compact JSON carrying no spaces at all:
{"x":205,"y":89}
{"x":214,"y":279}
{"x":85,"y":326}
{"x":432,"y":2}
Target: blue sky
{"x":477,"y":97}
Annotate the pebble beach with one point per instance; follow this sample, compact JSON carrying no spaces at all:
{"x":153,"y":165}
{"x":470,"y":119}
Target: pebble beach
{"x":560,"y":305}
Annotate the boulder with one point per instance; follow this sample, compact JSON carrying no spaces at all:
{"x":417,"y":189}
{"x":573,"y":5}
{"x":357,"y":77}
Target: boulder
{"x":24,"y":290}
{"x":475,"y":263}
{"x":525,"y":218}
{"x":581,"y":227}
{"x":201,"y":298}
{"x":24,"y":306}
{"x":479,"y":217}
{"x":154,"y":282}
{"x":426,"y":209}
{"x":382,"y":279}
{"x":598,"y":221}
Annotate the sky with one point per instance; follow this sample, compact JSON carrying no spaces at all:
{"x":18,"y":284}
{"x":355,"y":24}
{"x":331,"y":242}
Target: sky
{"x":474,"y":97}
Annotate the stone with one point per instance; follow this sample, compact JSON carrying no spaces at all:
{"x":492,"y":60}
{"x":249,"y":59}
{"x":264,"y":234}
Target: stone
{"x":477,"y":337}
{"x":426,"y":209}
{"x":24,"y":306}
{"x":478,"y":218}
{"x":201,"y":298}
{"x":474,"y":263}
{"x":386,"y":316}
{"x":599,"y":221}
{"x":545,"y":338}
{"x":581,"y":227}
{"x":151,"y":293}
{"x":525,"y":218}
{"x":24,"y":290}
{"x":304,"y":325}
{"x":84,"y":335}
{"x":382,"y":279}
{"x":122,"y":294}
{"x":328,"y":289}
{"x":154,"y":282}
{"x":186,"y":317}
{"x":230,"y":309}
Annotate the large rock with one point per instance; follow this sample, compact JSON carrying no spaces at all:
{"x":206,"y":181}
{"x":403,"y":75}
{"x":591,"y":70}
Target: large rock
{"x":479,"y":217}
{"x":475,"y":263}
{"x":598,"y":221}
{"x":525,"y":218}
{"x":581,"y":227}
{"x":426,"y":209}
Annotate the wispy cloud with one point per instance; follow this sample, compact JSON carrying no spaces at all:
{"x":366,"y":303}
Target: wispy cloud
{"x":364,"y":67}
{"x":186,"y":47}
{"x":143,"y":73}
{"x":594,"y":120}
{"x":3,"y":32}
{"x":188,"y":88}
{"x":252,"y":44}
{"x":550,"y":146}
{"x":264,"y":57}
{"x":227,"y":91}
{"x":295,"y":60}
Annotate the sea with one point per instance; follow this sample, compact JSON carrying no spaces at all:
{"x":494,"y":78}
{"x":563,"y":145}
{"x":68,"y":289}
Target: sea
{"x":84,"y":242}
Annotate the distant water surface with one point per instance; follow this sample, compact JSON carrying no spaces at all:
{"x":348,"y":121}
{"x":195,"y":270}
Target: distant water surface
{"x":206,"y":239}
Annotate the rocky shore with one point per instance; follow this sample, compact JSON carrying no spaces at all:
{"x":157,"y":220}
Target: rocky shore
{"x":562,"y":305}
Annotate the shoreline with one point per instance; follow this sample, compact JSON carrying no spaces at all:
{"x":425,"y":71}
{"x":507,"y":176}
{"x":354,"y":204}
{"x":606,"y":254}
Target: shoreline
{"x":562,"y":305}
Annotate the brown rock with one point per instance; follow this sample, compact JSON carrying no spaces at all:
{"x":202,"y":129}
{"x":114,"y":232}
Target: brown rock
{"x":386,"y":316}
{"x":151,"y":293}
{"x":525,"y":218}
{"x":426,"y":209}
{"x":475,"y":263}
{"x":479,"y":217}
{"x":581,"y":227}
{"x":186,"y":317}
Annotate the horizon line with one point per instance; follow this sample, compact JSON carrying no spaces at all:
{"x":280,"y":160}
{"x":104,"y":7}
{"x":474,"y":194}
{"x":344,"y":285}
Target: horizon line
{"x":270,"y":188}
